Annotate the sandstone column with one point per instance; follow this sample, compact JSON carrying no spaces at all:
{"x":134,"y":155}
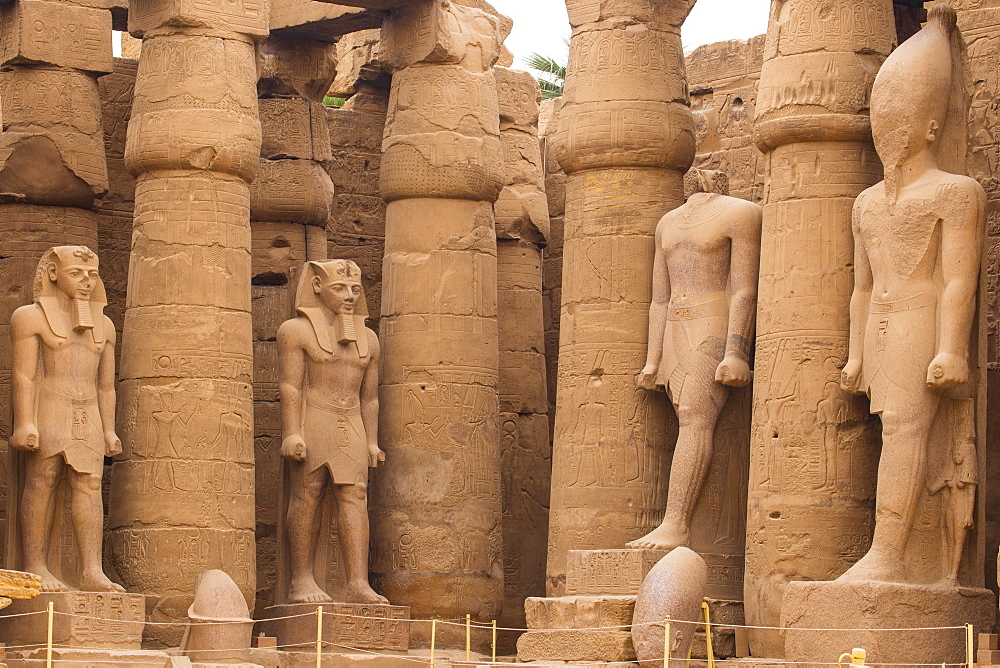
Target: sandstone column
{"x":53,"y":164}
{"x":290,"y":203}
{"x":522,"y":221}
{"x":625,"y":139}
{"x":979,"y":21}
{"x":182,"y":498}
{"x":436,"y":506}
{"x":814,"y":451}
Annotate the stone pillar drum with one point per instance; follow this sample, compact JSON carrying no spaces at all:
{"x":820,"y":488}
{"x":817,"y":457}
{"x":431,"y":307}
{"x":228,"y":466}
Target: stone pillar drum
{"x":522,"y":221}
{"x":435,"y":507}
{"x":625,"y":139}
{"x":53,"y":166}
{"x":811,"y":502}
{"x":182,"y":495}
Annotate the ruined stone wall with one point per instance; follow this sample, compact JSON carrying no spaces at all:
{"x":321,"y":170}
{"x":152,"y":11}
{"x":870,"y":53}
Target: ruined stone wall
{"x":723,"y":78}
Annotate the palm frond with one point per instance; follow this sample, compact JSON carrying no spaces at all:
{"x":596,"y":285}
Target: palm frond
{"x":546,"y":65}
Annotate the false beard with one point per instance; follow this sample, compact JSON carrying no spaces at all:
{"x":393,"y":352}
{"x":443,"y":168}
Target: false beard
{"x":83,"y":317}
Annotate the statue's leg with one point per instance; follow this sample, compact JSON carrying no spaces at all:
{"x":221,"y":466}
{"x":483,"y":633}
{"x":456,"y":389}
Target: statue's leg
{"x":352,"y":525}
{"x":697,"y":414}
{"x":35,"y":513}
{"x":302,"y":529}
{"x":907,"y":418}
{"x":88,"y":525}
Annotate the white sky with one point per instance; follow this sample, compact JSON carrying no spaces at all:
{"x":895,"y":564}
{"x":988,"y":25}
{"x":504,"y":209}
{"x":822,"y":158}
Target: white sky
{"x":541,"y":25}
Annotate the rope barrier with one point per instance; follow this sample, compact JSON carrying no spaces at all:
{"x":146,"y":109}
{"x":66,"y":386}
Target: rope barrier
{"x":491,"y":625}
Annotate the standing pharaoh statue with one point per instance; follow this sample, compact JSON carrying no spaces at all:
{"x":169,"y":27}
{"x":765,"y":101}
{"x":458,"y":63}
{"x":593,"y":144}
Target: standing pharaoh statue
{"x":64,"y":413}
{"x":701,"y":323}
{"x":329,"y":411}
{"x":918,"y":238}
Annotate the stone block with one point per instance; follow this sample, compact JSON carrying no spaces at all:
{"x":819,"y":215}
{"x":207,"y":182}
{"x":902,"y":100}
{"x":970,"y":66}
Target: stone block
{"x":988,"y":641}
{"x":292,"y":191}
{"x":91,"y":658}
{"x":249,"y":17}
{"x":56,"y":33}
{"x":579,"y":612}
{"x":609,"y":571}
{"x":882,"y":605}
{"x":575,"y":646}
{"x":988,"y":657}
{"x":349,"y":625}
{"x":106,"y":620}
{"x":294,"y":128}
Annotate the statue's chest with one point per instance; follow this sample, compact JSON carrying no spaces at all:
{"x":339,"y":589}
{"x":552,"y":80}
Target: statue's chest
{"x":900,"y":233}
{"x":701,"y":239}
{"x":343,"y":356}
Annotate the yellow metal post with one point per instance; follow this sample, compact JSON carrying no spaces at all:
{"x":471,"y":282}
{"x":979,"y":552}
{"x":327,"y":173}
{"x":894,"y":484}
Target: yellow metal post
{"x":708,"y":634}
{"x":969,"y":648}
{"x":493,"y":644}
{"x":468,"y":637}
{"x":666,"y":644}
{"x":319,"y":636}
{"x":48,"y":641}
{"x":434,"y":630}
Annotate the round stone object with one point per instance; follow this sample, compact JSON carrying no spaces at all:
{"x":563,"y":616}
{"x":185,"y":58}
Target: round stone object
{"x":673,"y":589}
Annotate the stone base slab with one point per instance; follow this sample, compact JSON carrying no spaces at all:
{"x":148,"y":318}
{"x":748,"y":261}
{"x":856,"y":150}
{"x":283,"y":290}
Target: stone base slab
{"x":575,"y":646}
{"x":579,"y":612}
{"x":345,"y":625}
{"x":100,"y":620}
{"x":96,"y":658}
{"x":730,"y":615}
{"x":882,"y":605}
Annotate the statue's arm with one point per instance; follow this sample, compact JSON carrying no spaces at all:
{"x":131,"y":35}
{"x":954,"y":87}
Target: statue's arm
{"x":106,"y":391}
{"x":369,"y":401}
{"x":860,"y":304}
{"x":744,"y":271}
{"x":961,"y":247}
{"x":657,"y":314}
{"x":24,"y":371}
{"x":291,"y":376}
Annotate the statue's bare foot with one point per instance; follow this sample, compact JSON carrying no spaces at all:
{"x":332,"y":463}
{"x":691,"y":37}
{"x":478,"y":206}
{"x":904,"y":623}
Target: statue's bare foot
{"x":307,"y":591}
{"x":49,"y":581}
{"x":663,"y":537}
{"x":98,"y":581}
{"x":875,"y":567}
{"x":361,"y":592}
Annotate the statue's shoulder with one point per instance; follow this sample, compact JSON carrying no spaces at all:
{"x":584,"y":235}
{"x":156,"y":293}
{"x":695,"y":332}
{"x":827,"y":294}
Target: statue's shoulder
{"x":373,"y":343}
{"x":28,"y":319}
{"x":296,"y":330}
{"x":959,"y":186}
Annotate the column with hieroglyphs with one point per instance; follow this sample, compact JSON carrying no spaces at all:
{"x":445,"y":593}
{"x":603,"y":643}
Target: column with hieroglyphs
{"x":522,"y":222}
{"x":436,"y":510}
{"x":814,"y":451}
{"x":182,"y":496}
{"x":290,"y":204}
{"x":53,"y":163}
{"x":625,"y":139}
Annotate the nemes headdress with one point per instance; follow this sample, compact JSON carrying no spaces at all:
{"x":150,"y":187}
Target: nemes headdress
{"x":925,"y":79}
{"x":307,"y":303}
{"x":85,"y":314}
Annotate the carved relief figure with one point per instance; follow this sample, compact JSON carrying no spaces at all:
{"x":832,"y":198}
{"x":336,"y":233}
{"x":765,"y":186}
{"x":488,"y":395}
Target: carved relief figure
{"x":64,"y":410}
{"x":700,"y":326}
{"x":830,"y":411}
{"x":918,"y":236}
{"x":959,"y":484}
{"x":329,"y":411}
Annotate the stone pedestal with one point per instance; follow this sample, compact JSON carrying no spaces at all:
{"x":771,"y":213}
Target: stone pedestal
{"x":92,"y":658}
{"x":345,"y":626}
{"x":875,"y":605}
{"x":104,"y":620}
{"x":601,"y":587}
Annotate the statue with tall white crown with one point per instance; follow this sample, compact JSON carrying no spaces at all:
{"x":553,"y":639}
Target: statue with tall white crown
{"x":918,"y":239}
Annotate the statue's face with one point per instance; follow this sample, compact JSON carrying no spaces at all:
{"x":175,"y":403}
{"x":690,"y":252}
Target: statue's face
{"x":340,"y":295}
{"x":77,"y":281}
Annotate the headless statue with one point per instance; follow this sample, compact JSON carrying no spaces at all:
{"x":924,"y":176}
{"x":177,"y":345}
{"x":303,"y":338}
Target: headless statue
{"x":700,"y":327}
{"x":63,"y":379}
{"x":918,"y":236}
{"x":329,"y":412}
